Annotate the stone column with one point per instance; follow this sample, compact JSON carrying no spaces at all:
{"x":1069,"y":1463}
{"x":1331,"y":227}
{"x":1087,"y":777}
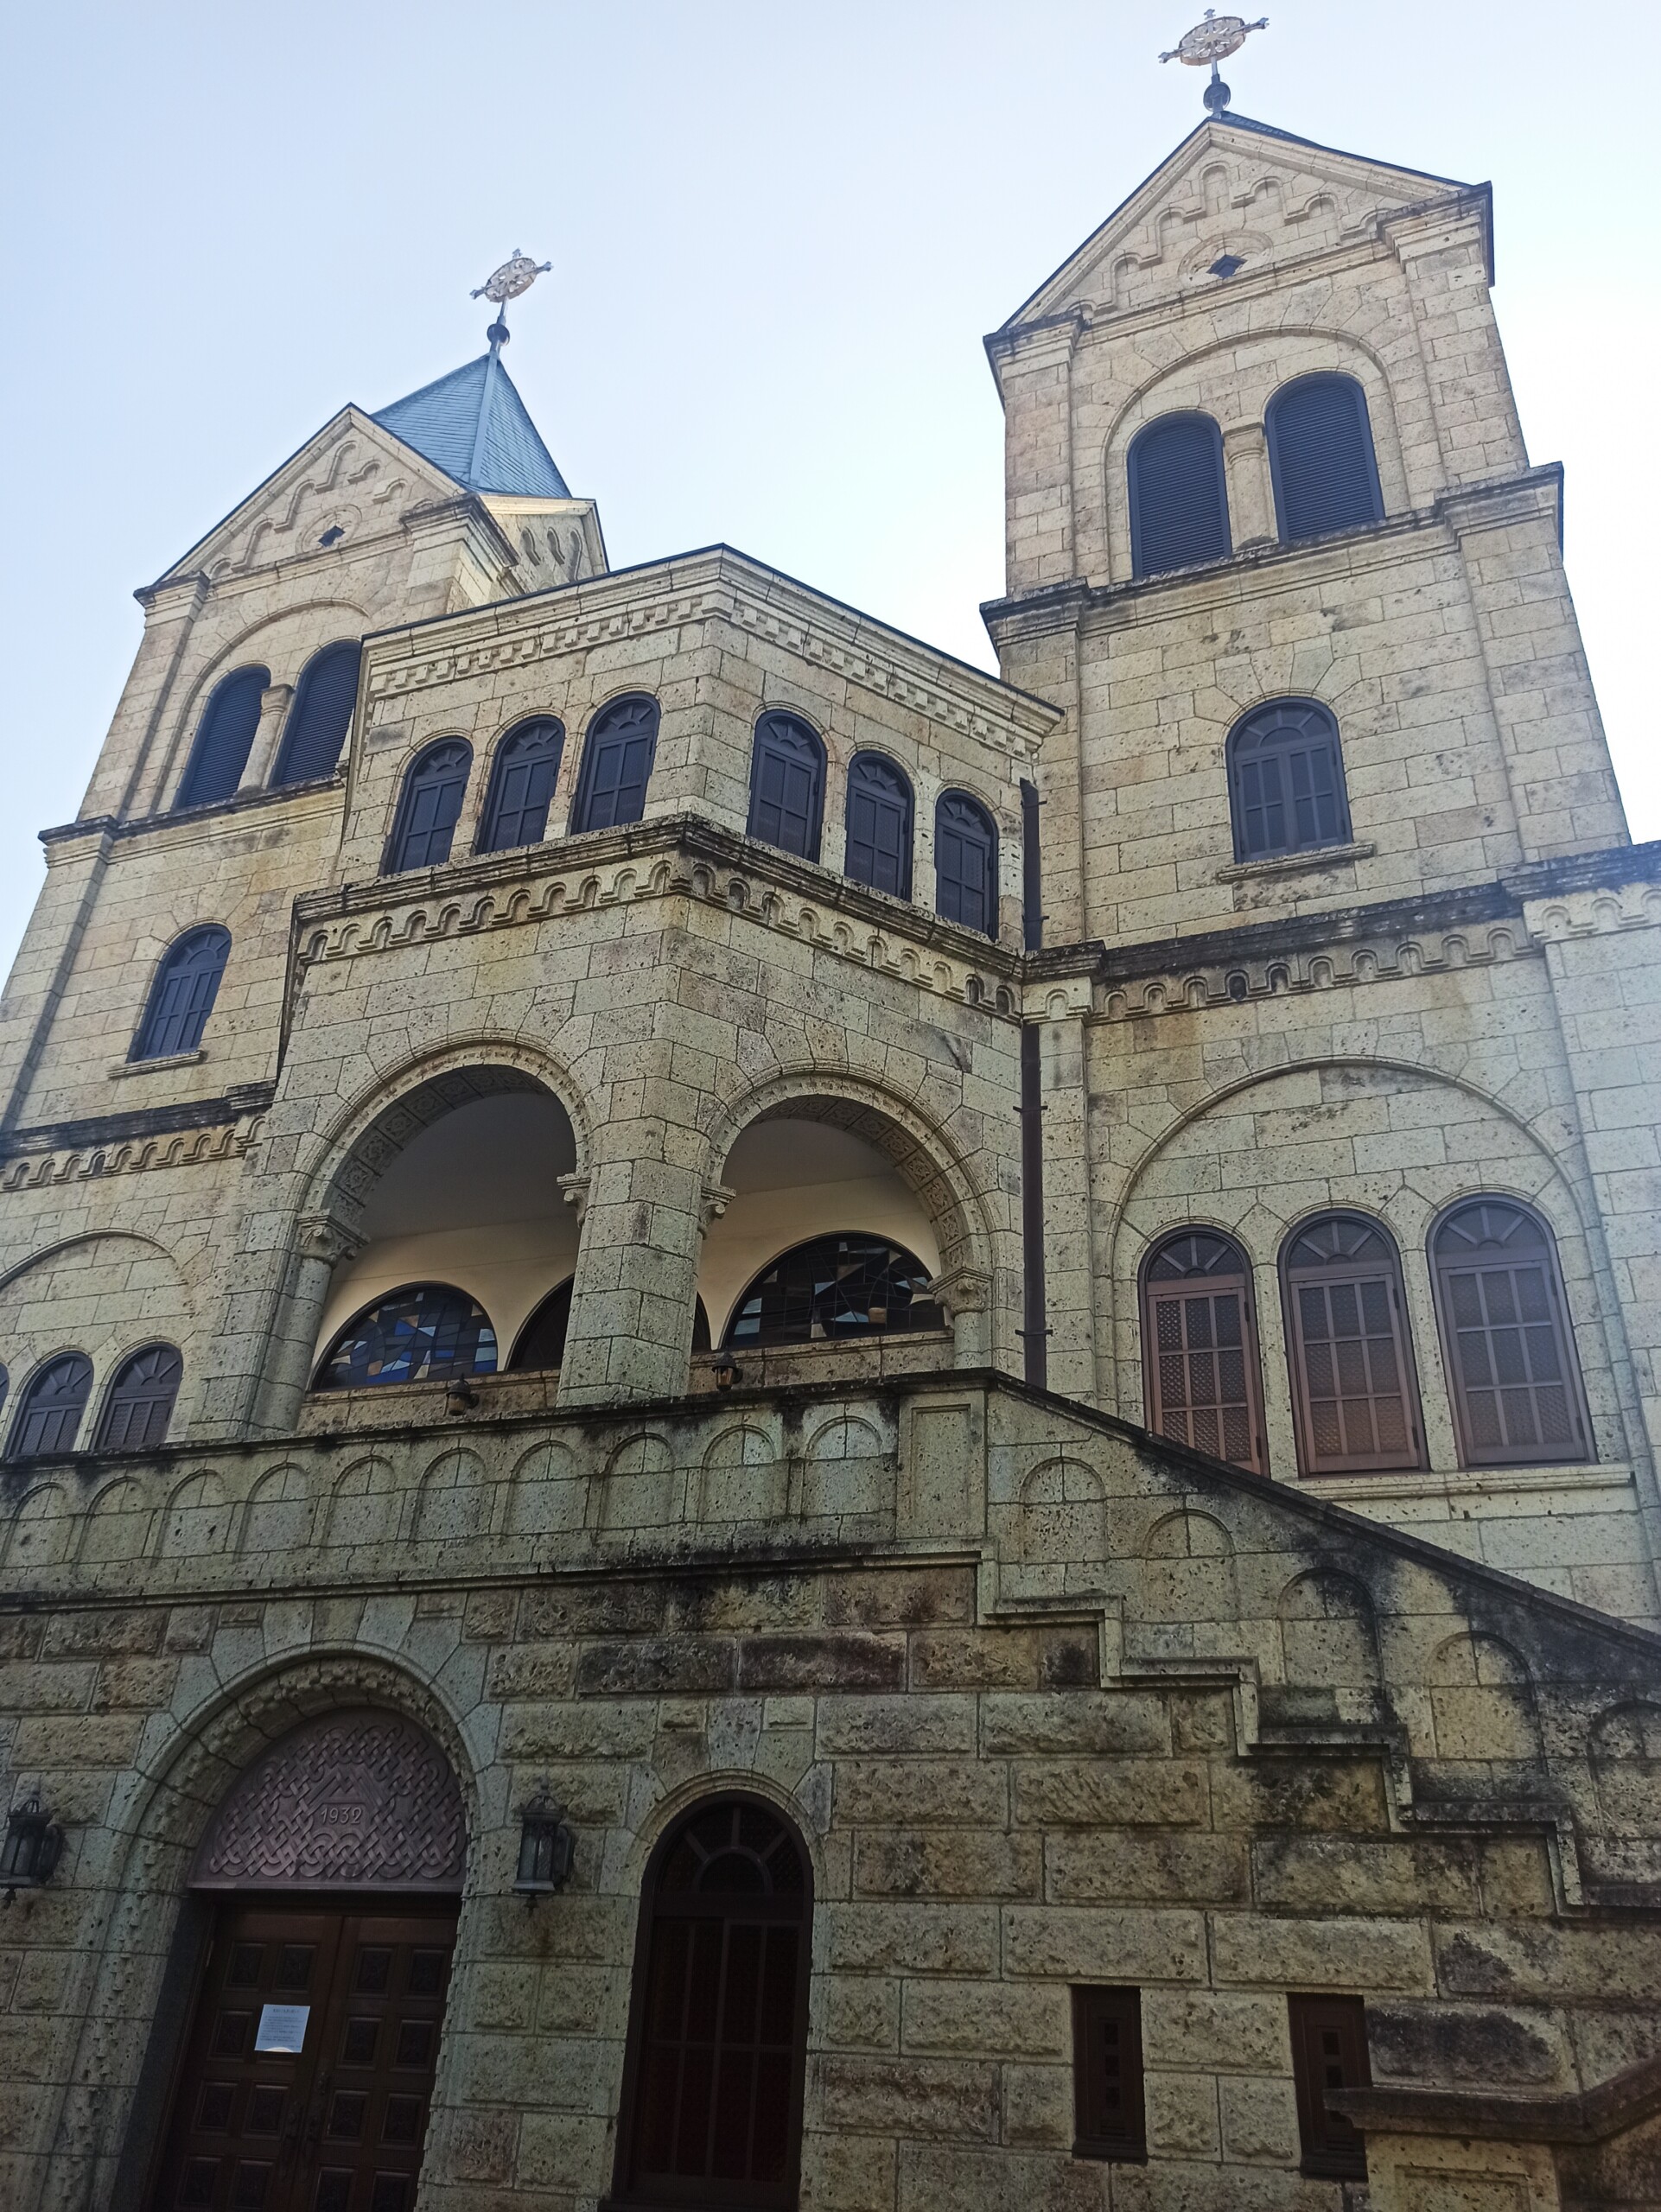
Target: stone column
{"x":321,"y":1243}
{"x":1251,"y":485}
{"x":631,"y":1299}
{"x":261,"y":753}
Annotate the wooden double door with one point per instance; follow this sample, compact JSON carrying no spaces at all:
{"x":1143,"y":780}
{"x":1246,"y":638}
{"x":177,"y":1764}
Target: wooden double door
{"x":307,"y":2077}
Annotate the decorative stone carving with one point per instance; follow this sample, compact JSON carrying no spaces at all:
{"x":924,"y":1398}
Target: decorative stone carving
{"x":358,"y":1798}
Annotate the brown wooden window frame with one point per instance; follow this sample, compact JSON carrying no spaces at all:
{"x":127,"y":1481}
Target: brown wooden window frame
{"x":1333,"y":2148}
{"x":1094,"y":2010}
{"x":632,"y":2189}
{"x":1154,"y":1295}
{"x":1470,"y":1454}
{"x":1313,"y":1463}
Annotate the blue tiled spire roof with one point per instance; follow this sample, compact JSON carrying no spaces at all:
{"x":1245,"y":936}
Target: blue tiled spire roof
{"x":473,"y":425}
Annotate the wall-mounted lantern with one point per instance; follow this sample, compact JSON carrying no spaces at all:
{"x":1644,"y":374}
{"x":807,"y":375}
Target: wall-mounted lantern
{"x":461,"y":1397}
{"x":546,"y":1849}
{"x":727,"y":1372}
{"x":33,"y":1846}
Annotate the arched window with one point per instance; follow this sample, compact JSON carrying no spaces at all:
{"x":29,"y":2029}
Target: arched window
{"x":522,"y":782}
{"x":49,"y":1411}
{"x":616,"y":765}
{"x":224,"y":738}
{"x":717,"y":2045}
{"x":834,"y":1289}
{"x":140,"y":1403}
{"x":541,"y":1342}
{"x":430,"y":806}
{"x":966,"y":863}
{"x":428,"y":1334}
{"x":1179,"y":495}
{"x":1504,"y":1324}
{"x":320,"y":714}
{"x":787,"y":785}
{"x":1286,"y":781}
{"x":1322,"y":458}
{"x":879,"y":824}
{"x":181,"y":997}
{"x":700,"y":1326}
{"x":1200,"y":1348}
{"x":1354,"y":1387}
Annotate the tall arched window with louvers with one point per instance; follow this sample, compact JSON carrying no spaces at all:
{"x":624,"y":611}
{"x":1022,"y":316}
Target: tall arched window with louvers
{"x":140,"y":1401}
{"x":1511,"y":1369}
{"x":225,"y":737}
{"x":616,"y":765}
{"x":1321,"y":455}
{"x":966,"y":863}
{"x":879,"y":824}
{"x":1286,"y":781}
{"x":183,"y":994}
{"x":522,"y":780}
{"x":320,"y":716}
{"x":1179,"y":495}
{"x":1354,"y":1389}
{"x":1203,"y":1375}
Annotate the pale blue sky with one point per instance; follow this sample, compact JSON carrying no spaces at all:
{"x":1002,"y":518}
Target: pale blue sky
{"x":778,"y":235}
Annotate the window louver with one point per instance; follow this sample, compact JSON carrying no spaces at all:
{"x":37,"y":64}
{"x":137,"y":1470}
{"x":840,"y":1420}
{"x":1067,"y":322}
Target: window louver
{"x":140,"y":1404}
{"x":522,"y":785}
{"x":879,"y":825}
{"x":225,"y":738}
{"x":787,"y":785}
{"x":617,"y":766}
{"x":1321,"y":457}
{"x":966,"y":863}
{"x":430,"y":806}
{"x":49,"y":1416}
{"x":181,"y":998}
{"x":1179,"y":498}
{"x":320,"y":715}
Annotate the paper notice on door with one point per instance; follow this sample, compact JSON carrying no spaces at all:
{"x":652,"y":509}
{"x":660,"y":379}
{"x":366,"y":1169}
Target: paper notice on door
{"x":282,"y":2027}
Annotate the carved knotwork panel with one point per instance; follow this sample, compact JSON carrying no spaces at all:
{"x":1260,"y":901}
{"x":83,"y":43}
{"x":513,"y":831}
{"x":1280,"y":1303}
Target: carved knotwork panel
{"x":354,"y":1800}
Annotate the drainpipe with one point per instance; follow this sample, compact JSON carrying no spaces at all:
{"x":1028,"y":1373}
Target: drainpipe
{"x":1035,"y":1321}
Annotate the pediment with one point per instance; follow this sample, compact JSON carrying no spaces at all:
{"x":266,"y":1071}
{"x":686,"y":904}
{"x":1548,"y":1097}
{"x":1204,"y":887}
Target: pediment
{"x":1230,"y":188}
{"x":353,"y":477}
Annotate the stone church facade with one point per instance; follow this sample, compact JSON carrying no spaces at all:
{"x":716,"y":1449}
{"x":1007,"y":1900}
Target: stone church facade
{"x":788,"y":1427}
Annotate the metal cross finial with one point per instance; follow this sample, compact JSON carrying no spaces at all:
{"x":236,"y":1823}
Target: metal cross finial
{"x":1213,"y":42}
{"x":517,"y":274}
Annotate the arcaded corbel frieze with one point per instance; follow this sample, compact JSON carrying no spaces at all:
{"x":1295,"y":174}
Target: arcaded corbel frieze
{"x":1602,"y":913}
{"x":574,"y":1190}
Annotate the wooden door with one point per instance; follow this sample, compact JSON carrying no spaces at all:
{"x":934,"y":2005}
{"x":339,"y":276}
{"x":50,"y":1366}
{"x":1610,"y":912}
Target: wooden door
{"x":307,"y":2077}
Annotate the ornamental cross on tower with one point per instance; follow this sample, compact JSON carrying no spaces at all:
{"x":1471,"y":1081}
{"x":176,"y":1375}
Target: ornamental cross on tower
{"x":1213,"y":42}
{"x":517,"y":274}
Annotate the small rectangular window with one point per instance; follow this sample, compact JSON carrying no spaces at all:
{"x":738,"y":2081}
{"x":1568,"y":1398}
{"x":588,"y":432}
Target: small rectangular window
{"x":1108,"y":2119}
{"x":1329,"y":2051}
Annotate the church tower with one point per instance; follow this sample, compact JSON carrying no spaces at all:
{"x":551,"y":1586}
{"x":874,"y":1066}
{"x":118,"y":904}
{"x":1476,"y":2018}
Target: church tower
{"x":783,"y":1430}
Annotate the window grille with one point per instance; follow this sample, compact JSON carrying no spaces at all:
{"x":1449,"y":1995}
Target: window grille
{"x":1108,"y":2108}
{"x":617,"y":757}
{"x":966,"y":863}
{"x":181,"y":997}
{"x":1514,"y":1377}
{"x":430,"y":806}
{"x":1286,"y":781}
{"x":1200,"y":1348}
{"x":879,"y":825}
{"x":1353,"y":1385}
{"x":787,"y":785}
{"x":522,"y":783}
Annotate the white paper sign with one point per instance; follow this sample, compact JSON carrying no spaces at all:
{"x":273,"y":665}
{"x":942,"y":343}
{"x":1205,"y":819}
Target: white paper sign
{"x":282,"y":2027}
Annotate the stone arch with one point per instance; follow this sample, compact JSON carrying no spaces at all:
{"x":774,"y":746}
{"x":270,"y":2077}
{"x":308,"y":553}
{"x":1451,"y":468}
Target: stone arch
{"x":922,"y":1153}
{"x":641,"y":1487}
{"x":41,"y":1528}
{"x":1329,"y":1638}
{"x":196,"y":1520}
{"x":281,"y":1512}
{"x":846,"y":1469}
{"x":742,"y":1477}
{"x":455,"y":1499}
{"x":1187,"y":1571}
{"x":159,"y":1814}
{"x":115,"y":1526}
{"x":1061,"y":1518}
{"x":254,"y":645}
{"x":1625,"y":1750}
{"x":547,"y":1494}
{"x":1483,"y":1704}
{"x":365,"y":1504}
{"x":130,"y":1288}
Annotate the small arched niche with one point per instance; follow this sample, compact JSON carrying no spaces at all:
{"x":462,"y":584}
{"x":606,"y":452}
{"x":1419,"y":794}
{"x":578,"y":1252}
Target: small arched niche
{"x":794,"y":1178}
{"x":471,"y":1198}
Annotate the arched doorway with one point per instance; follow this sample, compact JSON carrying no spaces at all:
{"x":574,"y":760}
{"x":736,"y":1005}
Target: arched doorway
{"x":306,"y":2080}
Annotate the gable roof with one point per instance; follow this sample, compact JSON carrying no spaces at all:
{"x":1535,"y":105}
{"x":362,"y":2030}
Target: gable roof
{"x":1131,"y":206}
{"x":472,"y":424}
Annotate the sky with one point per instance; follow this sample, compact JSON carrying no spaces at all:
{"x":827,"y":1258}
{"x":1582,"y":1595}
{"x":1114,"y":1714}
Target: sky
{"x":778,"y":235}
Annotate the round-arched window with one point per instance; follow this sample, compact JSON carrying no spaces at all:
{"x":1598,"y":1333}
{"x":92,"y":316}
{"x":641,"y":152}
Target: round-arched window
{"x":1200,"y":1347}
{"x":835,"y":1288}
{"x":428,"y":1334}
{"x":718,"y":2025}
{"x":1505,"y":1322}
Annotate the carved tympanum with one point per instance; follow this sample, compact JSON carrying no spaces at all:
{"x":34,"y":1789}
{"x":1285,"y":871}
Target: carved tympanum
{"x":354,"y":1800}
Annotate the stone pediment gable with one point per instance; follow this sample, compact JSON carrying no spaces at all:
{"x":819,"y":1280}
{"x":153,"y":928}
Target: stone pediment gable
{"x":353,"y":477}
{"x":717,"y":585}
{"x":1263,"y":199}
